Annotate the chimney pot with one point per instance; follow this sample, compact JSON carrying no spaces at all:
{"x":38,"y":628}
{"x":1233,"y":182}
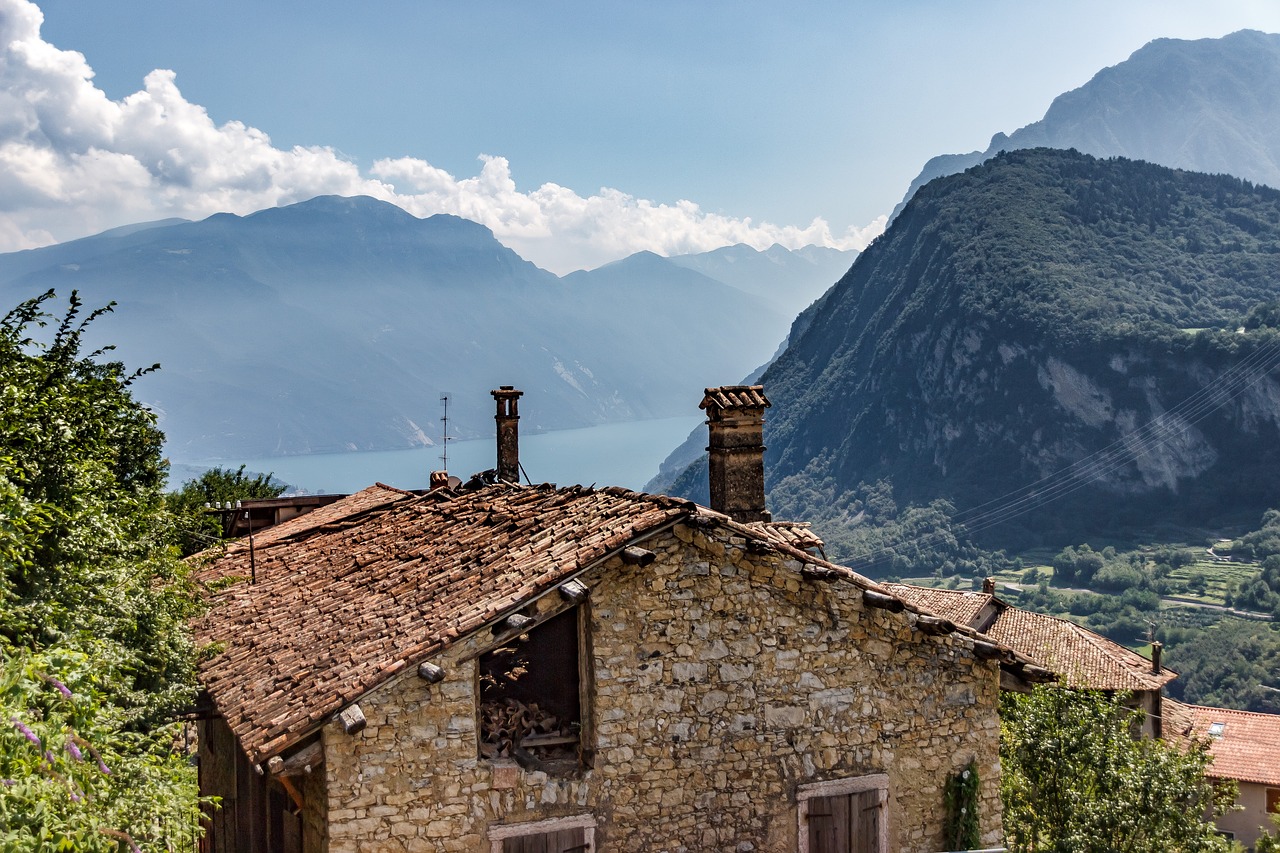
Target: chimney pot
{"x":989,"y":586}
{"x":1156,"y":649}
{"x":508,"y":420}
{"x":735,"y":433}
{"x":439,"y":479}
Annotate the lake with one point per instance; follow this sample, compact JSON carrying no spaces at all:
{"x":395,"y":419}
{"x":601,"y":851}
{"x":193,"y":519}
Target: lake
{"x":626,"y":454}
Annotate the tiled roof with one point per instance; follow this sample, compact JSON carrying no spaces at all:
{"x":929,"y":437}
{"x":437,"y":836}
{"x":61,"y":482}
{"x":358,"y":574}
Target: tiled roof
{"x":797,"y":534}
{"x":1081,"y":657}
{"x":734,"y":396}
{"x":1248,"y":748}
{"x":960,"y":606}
{"x":342,"y":605}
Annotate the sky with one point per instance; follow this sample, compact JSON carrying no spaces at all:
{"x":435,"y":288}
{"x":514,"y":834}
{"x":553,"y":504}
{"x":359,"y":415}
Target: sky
{"x":579,"y":132}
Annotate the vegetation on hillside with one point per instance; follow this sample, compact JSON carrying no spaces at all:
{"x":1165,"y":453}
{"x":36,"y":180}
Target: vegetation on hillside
{"x":1026,"y":314}
{"x":95,"y":657}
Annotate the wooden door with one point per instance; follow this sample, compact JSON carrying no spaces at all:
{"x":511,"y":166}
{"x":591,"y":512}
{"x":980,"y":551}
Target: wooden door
{"x":845,"y":823}
{"x":564,"y":841}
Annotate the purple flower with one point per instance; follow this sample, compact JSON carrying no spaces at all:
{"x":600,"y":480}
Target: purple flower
{"x":8,"y":783}
{"x":75,"y":797}
{"x":74,"y":750}
{"x":62,"y":688}
{"x":26,"y":731}
{"x":98,"y":758}
{"x":48,"y":757}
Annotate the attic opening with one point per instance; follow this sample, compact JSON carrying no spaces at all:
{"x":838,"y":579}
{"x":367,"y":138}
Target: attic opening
{"x":531,"y":695}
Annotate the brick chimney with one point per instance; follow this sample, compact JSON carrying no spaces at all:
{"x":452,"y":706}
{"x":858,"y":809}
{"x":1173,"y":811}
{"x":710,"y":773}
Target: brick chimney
{"x":735,"y":432}
{"x":508,"y":418}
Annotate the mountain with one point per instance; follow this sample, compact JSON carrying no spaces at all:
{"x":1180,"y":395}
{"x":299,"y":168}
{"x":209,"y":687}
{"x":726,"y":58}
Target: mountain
{"x":335,"y":324}
{"x":1209,"y":105}
{"x":788,"y":279}
{"x":1044,"y":310}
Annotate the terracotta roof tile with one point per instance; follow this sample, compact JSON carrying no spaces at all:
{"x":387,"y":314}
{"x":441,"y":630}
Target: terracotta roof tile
{"x":735,"y":396}
{"x":347,"y":600}
{"x":798,"y":534}
{"x":1082,"y":657}
{"x":960,"y":606}
{"x":1247,"y":748}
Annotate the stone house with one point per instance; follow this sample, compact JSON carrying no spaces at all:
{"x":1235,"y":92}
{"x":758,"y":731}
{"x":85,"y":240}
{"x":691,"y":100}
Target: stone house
{"x":498,"y":667}
{"x":1245,"y":747}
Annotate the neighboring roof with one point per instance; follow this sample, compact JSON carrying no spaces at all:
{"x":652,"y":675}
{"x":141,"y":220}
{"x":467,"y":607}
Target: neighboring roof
{"x":1081,"y":657}
{"x":960,"y":606}
{"x":735,"y":396}
{"x":1248,"y":748}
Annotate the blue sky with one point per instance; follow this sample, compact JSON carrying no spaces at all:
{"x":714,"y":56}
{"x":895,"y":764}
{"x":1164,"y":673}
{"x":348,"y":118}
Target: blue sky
{"x":598,"y":119}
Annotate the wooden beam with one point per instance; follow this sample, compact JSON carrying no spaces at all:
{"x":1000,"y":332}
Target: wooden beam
{"x":637,"y":556}
{"x":515,"y":622}
{"x":301,"y":762}
{"x":430,"y":673}
{"x":871,"y":598}
{"x":574,"y":590}
{"x":352,"y":719}
{"x":992,"y":651}
{"x":818,"y":573}
{"x":294,"y":793}
{"x":1038,"y":674}
{"x":934,"y":625}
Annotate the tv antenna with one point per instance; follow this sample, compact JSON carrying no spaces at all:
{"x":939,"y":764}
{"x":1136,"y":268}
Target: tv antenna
{"x":445,"y":438}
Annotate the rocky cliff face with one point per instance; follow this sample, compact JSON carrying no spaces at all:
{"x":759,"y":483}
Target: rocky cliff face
{"x":1048,"y":332}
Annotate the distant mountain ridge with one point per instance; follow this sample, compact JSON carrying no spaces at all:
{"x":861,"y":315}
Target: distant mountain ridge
{"x":1023,"y":315}
{"x":335,"y":324}
{"x":1208,"y":105}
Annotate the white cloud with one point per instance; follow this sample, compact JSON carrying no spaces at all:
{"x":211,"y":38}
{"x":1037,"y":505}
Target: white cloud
{"x":74,"y":162}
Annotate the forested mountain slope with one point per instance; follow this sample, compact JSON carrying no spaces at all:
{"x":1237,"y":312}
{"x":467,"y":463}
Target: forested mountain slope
{"x":1019,"y":317}
{"x":1208,"y":105}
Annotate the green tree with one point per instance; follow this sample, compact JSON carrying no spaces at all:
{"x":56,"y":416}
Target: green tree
{"x":1077,"y":780}
{"x":94,"y":651}
{"x":198,"y":529}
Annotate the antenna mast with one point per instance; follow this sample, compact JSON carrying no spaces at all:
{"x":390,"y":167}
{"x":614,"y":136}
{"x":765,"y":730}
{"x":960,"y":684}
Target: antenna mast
{"x":445,"y":437}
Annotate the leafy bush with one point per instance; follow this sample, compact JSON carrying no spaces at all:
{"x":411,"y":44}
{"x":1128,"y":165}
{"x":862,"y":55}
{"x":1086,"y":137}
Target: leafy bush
{"x":1074,"y":778}
{"x":95,"y":656}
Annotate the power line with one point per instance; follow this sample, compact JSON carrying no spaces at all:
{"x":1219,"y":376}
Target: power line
{"x":1128,"y":448}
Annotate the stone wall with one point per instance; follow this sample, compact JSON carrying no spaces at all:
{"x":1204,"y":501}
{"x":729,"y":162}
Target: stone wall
{"x":722,"y":682}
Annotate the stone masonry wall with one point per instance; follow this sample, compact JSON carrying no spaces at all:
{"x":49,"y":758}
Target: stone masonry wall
{"x":723,"y":681}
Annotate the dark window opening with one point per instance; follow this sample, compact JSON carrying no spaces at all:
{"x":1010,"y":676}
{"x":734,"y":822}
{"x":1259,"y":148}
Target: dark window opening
{"x":531,"y":696}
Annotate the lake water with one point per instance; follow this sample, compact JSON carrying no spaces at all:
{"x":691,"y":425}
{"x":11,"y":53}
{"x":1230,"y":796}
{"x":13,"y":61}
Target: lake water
{"x":625,"y":454}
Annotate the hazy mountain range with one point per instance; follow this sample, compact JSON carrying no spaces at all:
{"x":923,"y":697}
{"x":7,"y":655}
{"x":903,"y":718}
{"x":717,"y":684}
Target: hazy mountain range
{"x":1209,"y":105}
{"x":336,"y":324}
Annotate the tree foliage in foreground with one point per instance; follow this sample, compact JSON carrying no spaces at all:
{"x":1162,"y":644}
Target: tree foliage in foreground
{"x":1076,"y":780}
{"x":94,"y":651}
{"x":197,"y":530}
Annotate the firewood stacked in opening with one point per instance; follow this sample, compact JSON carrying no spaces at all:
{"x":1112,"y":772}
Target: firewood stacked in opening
{"x":509,"y":723}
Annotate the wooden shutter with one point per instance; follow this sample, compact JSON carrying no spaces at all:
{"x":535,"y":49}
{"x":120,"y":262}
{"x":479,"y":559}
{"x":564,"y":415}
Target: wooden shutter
{"x":564,"y":841}
{"x":845,"y":823}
